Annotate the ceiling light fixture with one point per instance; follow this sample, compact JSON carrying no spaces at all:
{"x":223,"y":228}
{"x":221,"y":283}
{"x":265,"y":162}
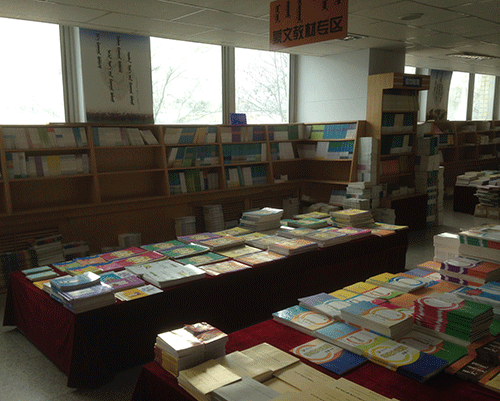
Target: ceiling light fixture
{"x":471,"y":56}
{"x":411,"y":17}
{"x":352,"y":36}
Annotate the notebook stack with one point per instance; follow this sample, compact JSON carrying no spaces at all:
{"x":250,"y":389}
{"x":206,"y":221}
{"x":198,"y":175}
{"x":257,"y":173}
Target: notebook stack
{"x":189,"y":346}
{"x":49,"y":250}
{"x":452,"y":318}
{"x":392,"y":323}
{"x":352,"y":218}
{"x":82,"y":293}
{"x":293,"y":246}
{"x":261,"y":220}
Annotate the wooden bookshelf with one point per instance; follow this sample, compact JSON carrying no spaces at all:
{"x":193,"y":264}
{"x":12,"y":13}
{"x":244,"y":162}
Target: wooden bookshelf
{"x":391,"y":117}
{"x":465,"y":146}
{"x":131,"y":188}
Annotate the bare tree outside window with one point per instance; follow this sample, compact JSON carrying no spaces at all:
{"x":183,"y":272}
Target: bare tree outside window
{"x":187,"y":82}
{"x":262,"y":85}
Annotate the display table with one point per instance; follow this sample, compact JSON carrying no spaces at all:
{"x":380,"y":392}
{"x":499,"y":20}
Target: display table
{"x":90,"y":347}
{"x":156,"y":384}
{"x":411,"y":210}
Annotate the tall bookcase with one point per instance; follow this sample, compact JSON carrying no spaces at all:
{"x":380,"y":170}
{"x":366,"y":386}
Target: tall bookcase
{"x":465,"y":146}
{"x":94,"y":181}
{"x":391,"y":117}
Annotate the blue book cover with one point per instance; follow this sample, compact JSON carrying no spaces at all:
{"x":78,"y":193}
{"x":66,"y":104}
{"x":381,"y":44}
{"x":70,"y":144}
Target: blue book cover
{"x":329,"y":356}
{"x":70,"y":283}
{"x":238,"y":118}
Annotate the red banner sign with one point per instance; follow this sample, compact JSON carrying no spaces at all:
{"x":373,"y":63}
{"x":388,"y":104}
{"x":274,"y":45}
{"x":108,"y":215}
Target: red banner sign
{"x":300,"y":22}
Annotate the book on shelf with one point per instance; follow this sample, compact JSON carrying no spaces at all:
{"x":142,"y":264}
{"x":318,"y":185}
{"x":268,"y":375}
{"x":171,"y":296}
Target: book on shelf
{"x":148,"y":137}
{"x":329,"y":356}
{"x":188,"y":135}
{"x":302,"y":319}
{"x":245,"y":133}
{"x":44,"y":137}
{"x":285,"y":132}
{"x":332,"y":131}
{"x":193,"y":156}
{"x":228,"y":266}
{"x":137,"y":292}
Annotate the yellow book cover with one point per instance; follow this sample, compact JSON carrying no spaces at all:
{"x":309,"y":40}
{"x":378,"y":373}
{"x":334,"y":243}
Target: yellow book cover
{"x":361,"y":287}
{"x":343,"y":294}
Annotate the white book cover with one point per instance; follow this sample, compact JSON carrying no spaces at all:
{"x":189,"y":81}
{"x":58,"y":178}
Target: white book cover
{"x":148,"y":137}
{"x":172,"y":135}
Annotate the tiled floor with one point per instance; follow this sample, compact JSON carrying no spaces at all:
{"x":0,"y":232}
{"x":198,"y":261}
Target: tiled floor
{"x":26,"y":374}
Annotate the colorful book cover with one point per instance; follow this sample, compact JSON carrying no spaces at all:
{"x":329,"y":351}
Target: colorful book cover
{"x":146,"y":257}
{"x":376,"y":313}
{"x":302,"y":319}
{"x":403,"y":284}
{"x":226,"y":241}
{"x":204,"y":259}
{"x":69,"y":283}
{"x":135,"y":293}
{"x":163,"y":246}
{"x":259,"y":258}
{"x":121,"y":281}
{"x":90,"y":260}
{"x":197,"y":237}
{"x":227,"y":266}
{"x":186,"y":250}
{"x":235,"y":231}
{"x":234,"y":253}
{"x":329,"y":356}
{"x":121,"y":254}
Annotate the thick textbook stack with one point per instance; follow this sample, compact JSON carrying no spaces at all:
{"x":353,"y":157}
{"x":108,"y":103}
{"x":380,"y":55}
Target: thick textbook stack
{"x":49,"y":250}
{"x":293,"y":246}
{"x":398,"y":283}
{"x":481,"y":243}
{"x":446,"y":246}
{"x":383,"y":351}
{"x":302,"y":319}
{"x":121,"y":280}
{"x":188,"y":346}
{"x":461,"y":321}
{"x":329,"y":356}
{"x":263,"y":219}
{"x":352,"y":218}
{"x":392,"y":323}
{"x":73,"y":250}
{"x":168,"y":277}
{"x":72,"y":283}
{"x":488,"y":195}
{"x":85,"y":299}
{"x":466,"y":271}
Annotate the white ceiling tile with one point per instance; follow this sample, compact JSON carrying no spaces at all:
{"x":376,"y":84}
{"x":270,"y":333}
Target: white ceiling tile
{"x":468,"y":27}
{"x":394,"y":12}
{"x":443,"y":40}
{"x":253,"y":8}
{"x":232,"y":38}
{"x":488,"y":10}
{"x":227,"y":21}
{"x":358,"y":5}
{"x":391,"y":30}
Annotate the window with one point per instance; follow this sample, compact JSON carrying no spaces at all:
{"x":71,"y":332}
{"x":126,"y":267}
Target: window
{"x":410,"y":70}
{"x":32,"y":88}
{"x":187,"y":82}
{"x":484,"y":93}
{"x":457,"y":99}
{"x":262,"y":83}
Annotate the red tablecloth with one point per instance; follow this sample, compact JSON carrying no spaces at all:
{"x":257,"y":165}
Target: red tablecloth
{"x":155,"y":384}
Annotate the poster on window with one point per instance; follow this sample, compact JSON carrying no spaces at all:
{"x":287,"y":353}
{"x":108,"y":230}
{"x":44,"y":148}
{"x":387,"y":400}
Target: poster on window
{"x":116,"y":70}
{"x":437,"y":99}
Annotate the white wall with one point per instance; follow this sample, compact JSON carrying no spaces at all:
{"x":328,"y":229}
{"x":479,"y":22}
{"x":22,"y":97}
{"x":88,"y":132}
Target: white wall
{"x":334,"y":88}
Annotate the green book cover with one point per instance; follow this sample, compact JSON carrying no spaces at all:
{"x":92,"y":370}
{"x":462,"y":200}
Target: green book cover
{"x":204,"y":259}
{"x":317,"y":131}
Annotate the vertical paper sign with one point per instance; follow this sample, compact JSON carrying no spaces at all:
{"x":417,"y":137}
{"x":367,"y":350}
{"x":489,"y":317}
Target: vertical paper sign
{"x":437,"y":98}
{"x":116,"y":70}
{"x":300,"y":22}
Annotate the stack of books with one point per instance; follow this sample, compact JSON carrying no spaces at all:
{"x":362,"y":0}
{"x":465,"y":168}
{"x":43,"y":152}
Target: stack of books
{"x":49,"y":250}
{"x":223,"y":242}
{"x":399,"y":357}
{"x":121,"y":280}
{"x":453,"y":319}
{"x":228,"y":266}
{"x":264,"y":241}
{"x":293,"y":246}
{"x":127,"y":240}
{"x":488,"y":195}
{"x":73,"y":250}
{"x":163,"y":276}
{"x":259,"y":258}
{"x":163,"y":246}
{"x":305,"y":222}
{"x":481,"y":242}
{"x":189,"y":346}
{"x":445,"y":246}
{"x":328,"y":236}
{"x":140,"y":270}
{"x":195,"y":238}
{"x":290,"y":232}
{"x":392,"y":323}
{"x":203,"y":259}
{"x":137,"y":292}
{"x":488,"y":294}
{"x":85,"y":299}
{"x":72,"y":283}
{"x":397,"y":282}
{"x":469,"y":272}
{"x":302,"y":319}
{"x":352,"y":218}
{"x":214,"y":218}
{"x":261,"y":220}
{"x":185,"y":225}
{"x":39,"y":273}
{"x":185,"y":251}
